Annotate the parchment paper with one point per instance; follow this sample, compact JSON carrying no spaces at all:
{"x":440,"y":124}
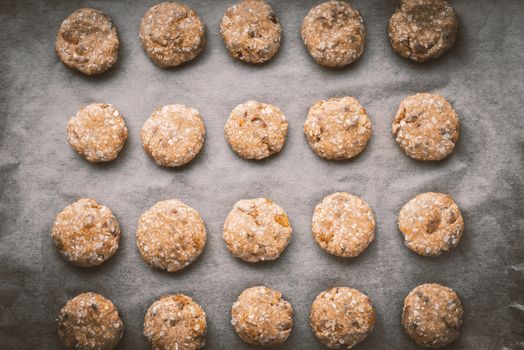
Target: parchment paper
{"x":482,"y":76}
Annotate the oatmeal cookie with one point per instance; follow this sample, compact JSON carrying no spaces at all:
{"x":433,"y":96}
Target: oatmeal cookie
{"x":426,"y":127}
{"x":256,"y":130}
{"x":89,"y":321}
{"x":170,"y":235}
{"x":86,"y":233}
{"x":173,"y":135}
{"x":432,"y":315}
{"x":343,"y":225}
{"x":431,"y":224}
{"x":338,"y":128}
{"x":334,"y":34}
{"x":175,"y":322}
{"x":172,"y":34}
{"x":87,"y":42}
{"x":262,"y":317}
{"x":251,"y":31}
{"x":341,"y":317}
{"x":423,"y":29}
{"x":97,"y":132}
{"x":257,"y":230}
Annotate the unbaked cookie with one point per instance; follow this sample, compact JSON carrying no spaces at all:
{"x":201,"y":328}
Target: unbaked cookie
{"x":87,"y":41}
{"x":342,"y":317}
{"x":170,"y":235}
{"x":343,"y":225}
{"x":172,"y":34}
{"x":432,"y":315}
{"x":423,"y":29}
{"x":86,"y":233}
{"x":175,"y":322}
{"x":431,"y":224}
{"x":334,"y":33}
{"x":262,"y":317}
{"x":173,"y":135}
{"x":89,"y":321}
{"x":256,"y":130}
{"x":97,"y":132}
{"x":251,"y":31}
{"x":426,"y":127}
{"x":338,"y":128}
{"x":257,"y":230}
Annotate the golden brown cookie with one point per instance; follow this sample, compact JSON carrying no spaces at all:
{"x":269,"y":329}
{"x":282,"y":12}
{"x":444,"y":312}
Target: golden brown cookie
{"x":87,"y":41}
{"x":341,"y":317}
{"x":86,"y":233}
{"x":170,"y":235}
{"x":426,"y":127}
{"x":175,"y":322}
{"x":89,"y":321}
{"x":338,"y":128}
{"x":334,"y":33}
{"x":432,"y":315}
{"x":262,"y":317}
{"x":172,"y":34}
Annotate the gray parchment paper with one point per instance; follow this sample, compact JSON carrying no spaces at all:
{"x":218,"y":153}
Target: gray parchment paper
{"x":482,"y":76}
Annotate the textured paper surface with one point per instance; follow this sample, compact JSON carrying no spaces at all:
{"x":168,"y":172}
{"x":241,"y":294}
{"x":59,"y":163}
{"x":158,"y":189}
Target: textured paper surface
{"x":482,"y":76}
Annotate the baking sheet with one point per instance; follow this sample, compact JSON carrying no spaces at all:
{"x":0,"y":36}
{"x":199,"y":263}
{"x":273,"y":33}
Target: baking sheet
{"x":482,"y":76}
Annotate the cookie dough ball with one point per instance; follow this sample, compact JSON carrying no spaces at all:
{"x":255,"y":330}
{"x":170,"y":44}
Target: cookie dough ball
{"x":170,"y":235}
{"x":423,"y":29}
{"x":87,"y":42}
{"x":342,"y":317}
{"x":431,"y":224}
{"x":86,"y":233}
{"x":89,"y":321}
{"x":262,"y":317}
{"x":256,"y":130}
{"x":97,"y":132}
{"x":338,"y":128}
{"x":343,"y":225}
{"x":173,"y":135}
{"x":251,"y":31}
{"x":432,"y":315}
{"x":334,"y":34}
{"x":257,"y":230}
{"x":426,"y":127}
{"x":172,"y":34}
{"x":175,"y":322}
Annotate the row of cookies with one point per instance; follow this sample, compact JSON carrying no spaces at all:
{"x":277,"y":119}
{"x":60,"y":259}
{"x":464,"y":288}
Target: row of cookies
{"x":333,"y":33}
{"x":171,"y":235}
{"x":339,"y":317}
{"x":426,"y":127}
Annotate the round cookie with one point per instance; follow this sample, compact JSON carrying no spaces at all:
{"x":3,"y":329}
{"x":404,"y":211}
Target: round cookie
{"x":251,"y":31}
{"x":97,"y":132}
{"x":89,"y":321}
{"x":338,"y":128}
{"x":426,"y":127}
{"x":87,"y":42}
{"x":341,"y":317}
{"x":173,"y":135}
{"x":86,"y":233}
{"x":172,"y":34}
{"x":343,"y":225}
{"x":423,"y":29}
{"x":257,"y":230}
{"x":262,"y":317}
{"x":432,"y":315}
{"x":175,"y":322}
{"x":170,"y":235}
{"x":334,"y":34}
{"x":431,"y":224}
{"x":256,"y":130}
